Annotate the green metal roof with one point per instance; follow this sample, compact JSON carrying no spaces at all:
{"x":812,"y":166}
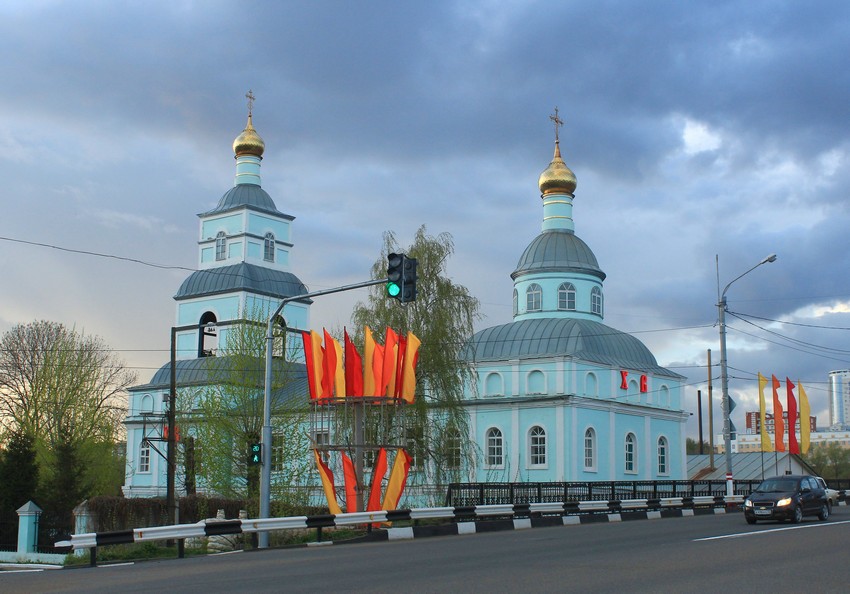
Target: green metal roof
{"x":246,"y":196}
{"x":241,"y":277}
{"x":552,"y":337}
{"x":558,"y":250}
{"x":213,"y":370}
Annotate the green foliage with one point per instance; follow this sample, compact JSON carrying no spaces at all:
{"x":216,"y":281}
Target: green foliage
{"x":226,"y":415}
{"x":830,"y":460}
{"x":692,"y":446}
{"x":442,"y":317}
{"x":66,"y":389}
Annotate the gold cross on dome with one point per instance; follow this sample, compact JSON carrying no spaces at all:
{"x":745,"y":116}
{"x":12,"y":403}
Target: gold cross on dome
{"x":250,"y":96}
{"x":557,"y":121}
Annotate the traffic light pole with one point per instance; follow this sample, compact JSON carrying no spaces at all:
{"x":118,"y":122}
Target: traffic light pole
{"x":266,"y":465}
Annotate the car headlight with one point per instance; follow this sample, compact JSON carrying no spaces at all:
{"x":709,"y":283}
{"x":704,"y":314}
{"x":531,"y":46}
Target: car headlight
{"x":748,"y":503}
{"x":783,"y":502}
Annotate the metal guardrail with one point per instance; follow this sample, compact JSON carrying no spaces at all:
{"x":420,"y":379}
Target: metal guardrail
{"x":212,"y":527}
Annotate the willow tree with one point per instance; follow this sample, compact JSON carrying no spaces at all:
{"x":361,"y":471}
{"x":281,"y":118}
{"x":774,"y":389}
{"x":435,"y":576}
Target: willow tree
{"x":225,"y":414}
{"x":442,"y":317}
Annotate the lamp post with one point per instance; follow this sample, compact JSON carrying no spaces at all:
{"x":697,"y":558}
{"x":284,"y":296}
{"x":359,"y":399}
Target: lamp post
{"x":724,"y":377}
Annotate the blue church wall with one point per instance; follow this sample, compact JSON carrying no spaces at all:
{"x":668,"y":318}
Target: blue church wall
{"x":549,"y":284}
{"x":231,"y":224}
{"x":259,"y":225}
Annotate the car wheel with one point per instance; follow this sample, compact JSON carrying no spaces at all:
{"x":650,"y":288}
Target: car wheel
{"x":798,"y":515}
{"x":751,"y":520}
{"x":824,"y":512}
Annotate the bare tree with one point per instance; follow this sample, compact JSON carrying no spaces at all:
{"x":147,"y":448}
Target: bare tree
{"x":60,"y":385}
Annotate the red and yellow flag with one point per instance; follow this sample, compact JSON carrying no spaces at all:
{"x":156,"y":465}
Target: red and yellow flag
{"x":388,"y":375}
{"x":778,"y":422}
{"x":379,"y":469}
{"x":805,"y":413}
{"x":353,"y":368}
{"x":408,"y":374}
{"x":398,"y":479}
{"x":314,"y":360}
{"x":327,"y":484}
{"x":766,"y":443}
{"x":793,"y":446}
{"x":334,"y":374}
{"x":368,"y":359}
{"x":350,"y":476}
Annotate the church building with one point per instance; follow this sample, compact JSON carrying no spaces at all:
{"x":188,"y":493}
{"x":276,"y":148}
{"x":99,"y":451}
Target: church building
{"x":243,"y":272}
{"x":559,"y":395}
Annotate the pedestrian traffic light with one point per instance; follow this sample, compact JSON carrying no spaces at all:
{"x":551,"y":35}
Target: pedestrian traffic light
{"x":255,"y":454}
{"x":401,"y":277}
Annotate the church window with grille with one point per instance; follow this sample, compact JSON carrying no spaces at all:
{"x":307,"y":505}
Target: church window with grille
{"x":590,"y":449}
{"x":220,"y":246}
{"x":596,"y":301}
{"x":268,"y":247}
{"x":145,"y":456}
{"x":631,"y":454}
{"x":534,"y":298}
{"x":662,"y":455}
{"x":495,"y":448}
{"x":567,"y":297}
{"x":537,"y":446}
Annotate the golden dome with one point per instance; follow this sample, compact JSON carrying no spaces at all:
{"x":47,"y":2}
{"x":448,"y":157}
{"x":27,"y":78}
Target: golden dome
{"x":557,"y":178}
{"x":249,"y":142}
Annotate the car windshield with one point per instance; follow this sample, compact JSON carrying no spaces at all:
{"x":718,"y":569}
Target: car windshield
{"x":777,"y":486}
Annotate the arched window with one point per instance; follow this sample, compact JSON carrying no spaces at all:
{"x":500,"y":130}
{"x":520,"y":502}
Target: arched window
{"x":590,"y":449}
{"x":495,"y":448}
{"x":567,"y":297}
{"x":146,"y":405}
{"x":534,"y":298}
{"x":207,"y":335}
{"x":220,"y":246}
{"x":145,"y":456}
{"x":662,"y":455}
{"x":268,"y":247}
{"x":631,"y":454}
{"x":516,"y":302}
{"x":596,"y":301}
{"x":537,"y":446}
{"x":454,"y":451}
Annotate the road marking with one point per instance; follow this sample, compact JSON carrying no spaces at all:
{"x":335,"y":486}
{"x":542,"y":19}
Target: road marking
{"x":107,"y":565}
{"x":743,"y":534}
{"x":2,"y":571}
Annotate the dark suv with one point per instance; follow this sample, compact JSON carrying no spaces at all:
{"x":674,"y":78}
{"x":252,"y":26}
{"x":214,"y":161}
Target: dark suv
{"x":787,"y":497}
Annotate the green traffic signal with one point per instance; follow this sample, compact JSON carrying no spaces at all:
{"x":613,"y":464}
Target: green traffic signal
{"x":393,"y":289}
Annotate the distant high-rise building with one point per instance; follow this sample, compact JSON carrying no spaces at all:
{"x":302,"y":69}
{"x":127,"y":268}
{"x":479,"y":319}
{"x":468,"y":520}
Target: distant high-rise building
{"x":839,"y":399}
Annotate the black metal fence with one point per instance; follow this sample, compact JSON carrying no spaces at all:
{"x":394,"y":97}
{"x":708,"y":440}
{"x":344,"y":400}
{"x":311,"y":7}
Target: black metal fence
{"x":466,"y":494}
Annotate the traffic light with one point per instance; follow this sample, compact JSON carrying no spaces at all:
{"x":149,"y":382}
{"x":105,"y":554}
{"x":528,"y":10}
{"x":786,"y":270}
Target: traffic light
{"x":255,"y":454}
{"x":401,"y":277}
{"x":408,"y":279}
{"x":394,"y":274}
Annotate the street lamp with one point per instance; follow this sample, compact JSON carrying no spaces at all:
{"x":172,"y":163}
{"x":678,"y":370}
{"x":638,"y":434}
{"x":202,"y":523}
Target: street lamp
{"x":724,"y":378}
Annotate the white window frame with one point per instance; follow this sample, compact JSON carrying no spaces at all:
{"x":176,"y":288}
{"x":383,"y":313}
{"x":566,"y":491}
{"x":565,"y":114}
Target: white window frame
{"x":596,"y":301}
{"x":534,"y":298}
{"x":537,"y":447}
{"x":145,"y":457}
{"x":630,"y":451}
{"x":663,"y":456}
{"x":494,"y":448}
{"x":268,"y":247}
{"x":220,"y":246}
{"x":567,"y":297}
{"x":590,"y":449}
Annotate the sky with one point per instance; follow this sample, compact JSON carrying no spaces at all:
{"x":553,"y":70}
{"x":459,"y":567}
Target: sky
{"x":704,"y":137}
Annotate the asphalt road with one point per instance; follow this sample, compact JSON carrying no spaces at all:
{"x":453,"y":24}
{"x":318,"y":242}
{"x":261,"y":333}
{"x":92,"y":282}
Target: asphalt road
{"x":696,"y":554}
